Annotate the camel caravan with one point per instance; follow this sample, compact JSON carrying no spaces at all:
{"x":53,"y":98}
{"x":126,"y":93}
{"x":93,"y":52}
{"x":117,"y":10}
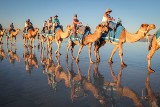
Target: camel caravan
{"x":78,"y":34}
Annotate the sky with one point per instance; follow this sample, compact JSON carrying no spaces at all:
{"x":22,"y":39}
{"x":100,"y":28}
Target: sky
{"x":133,"y":13}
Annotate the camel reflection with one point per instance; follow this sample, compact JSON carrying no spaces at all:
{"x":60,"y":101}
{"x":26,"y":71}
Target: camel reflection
{"x":12,"y":55}
{"x":123,"y":91}
{"x":2,"y":53}
{"x":80,"y":85}
{"x":153,"y":100}
{"x":30,"y":59}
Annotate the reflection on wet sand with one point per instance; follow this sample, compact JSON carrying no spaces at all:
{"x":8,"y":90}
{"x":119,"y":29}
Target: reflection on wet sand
{"x":2,"y":53}
{"x":30,"y":59}
{"x":93,"y":84}
{"x":12,"y":55}
{"x":123,"y":90}
{"x":153,"y":100}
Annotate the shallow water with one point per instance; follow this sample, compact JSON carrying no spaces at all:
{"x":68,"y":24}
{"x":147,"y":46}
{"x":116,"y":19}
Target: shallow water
{"x":77,"y":85}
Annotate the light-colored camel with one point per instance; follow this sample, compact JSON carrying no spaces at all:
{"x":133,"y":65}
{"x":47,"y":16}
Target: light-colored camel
{"x":13,"y":34}
{"x":1,"y":34}
{"x":58,"y":38}
{"x":153,"y":48}
{"x":124,"y":37}
{"x":87,"y":40}
{"x":30,"y":36}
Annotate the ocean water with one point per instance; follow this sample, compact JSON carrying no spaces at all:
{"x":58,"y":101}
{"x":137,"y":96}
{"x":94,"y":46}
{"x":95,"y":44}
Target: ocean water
{"x":27,"y":81}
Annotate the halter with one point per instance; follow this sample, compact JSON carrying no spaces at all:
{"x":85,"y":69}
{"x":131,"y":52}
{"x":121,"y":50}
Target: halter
{"x":144,"y":31}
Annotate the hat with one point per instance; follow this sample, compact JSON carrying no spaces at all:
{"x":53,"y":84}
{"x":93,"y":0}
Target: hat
{"x":108,"y":10}
{"x":75,"y":15}
{"x":55,"y":16}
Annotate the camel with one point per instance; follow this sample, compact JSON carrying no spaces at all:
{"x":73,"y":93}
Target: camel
{"x":1,"y":34}
{"x":154,"y":46}
{"x":87,"y":40}
{"x":13,"y":34}
{"x":30,"y":36}
{"x":123,"y":91}
{"x":124,"y":37}
{"x":58,"y":38}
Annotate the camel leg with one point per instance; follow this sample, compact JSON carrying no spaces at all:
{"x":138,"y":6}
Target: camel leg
{"x":149,"y":57}
{"x":69,"y":45}
{"x":72,"y":50}
{"x":58,"y":49}
{"x":15,"y":40}
{"x":89,"y":53}
{"x":113,"y":52}
{"x":79,"y":51}
{"x":96,"y":53}
{"x":121,"y":56}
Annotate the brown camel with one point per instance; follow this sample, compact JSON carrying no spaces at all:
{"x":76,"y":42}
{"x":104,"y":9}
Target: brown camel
{"x":58,"y":38}
{"x":87,"y":40}
{"x":1,"y":34}
{"x":124,"y":37}
{"x":13,"y":34}
{"x":154,"y":46}
{"x":30,"y":36}
{"x":124,"y":91}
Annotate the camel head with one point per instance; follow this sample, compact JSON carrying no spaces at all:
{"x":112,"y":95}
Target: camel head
{"x":146,"y":28}
{"x":36,"y":29}
{"x":18,"y":29}
{"x":99,"y":28}
{"x":68,"y":28}
{"x":151,"y":27}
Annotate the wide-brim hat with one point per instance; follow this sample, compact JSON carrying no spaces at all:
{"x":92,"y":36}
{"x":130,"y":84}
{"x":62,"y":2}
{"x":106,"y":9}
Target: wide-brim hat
{"x":55,"y":16}
{"x":108,"y":10}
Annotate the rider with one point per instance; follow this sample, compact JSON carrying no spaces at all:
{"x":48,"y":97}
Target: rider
{"x":1,"y":28}
{"x":29,"y":25}
{"x":75,"y":21}
{"x":44,"y":26}
{"x":11,"y":28}
{"x":56,"y":22}
{"x":25,"y":26}
{"x":107,"y":19}
{"x":49,"y":23}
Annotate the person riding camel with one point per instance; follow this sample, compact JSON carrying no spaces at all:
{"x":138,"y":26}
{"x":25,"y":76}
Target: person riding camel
{"x":49,"y":23}
{"x":29,"y":25}
{"x":75,"y":22}
{"x":11,"y":28}
{"x":1,"y":28}
{"x":44,"y":26}
{"x":56,"y":23}
{"x":25,"y":26}
{"x":107,"y":19}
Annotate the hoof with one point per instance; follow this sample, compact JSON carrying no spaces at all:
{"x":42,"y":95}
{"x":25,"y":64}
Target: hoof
{"x":73,"y":58}
{"x":98,"y":60}
{"x":123,"y":65}
{"x":110,"y":62}
{"x":77,"y":60}
{"x":151,"y":70}
{"x":67,"y":56}
{"x":91,"y":62}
